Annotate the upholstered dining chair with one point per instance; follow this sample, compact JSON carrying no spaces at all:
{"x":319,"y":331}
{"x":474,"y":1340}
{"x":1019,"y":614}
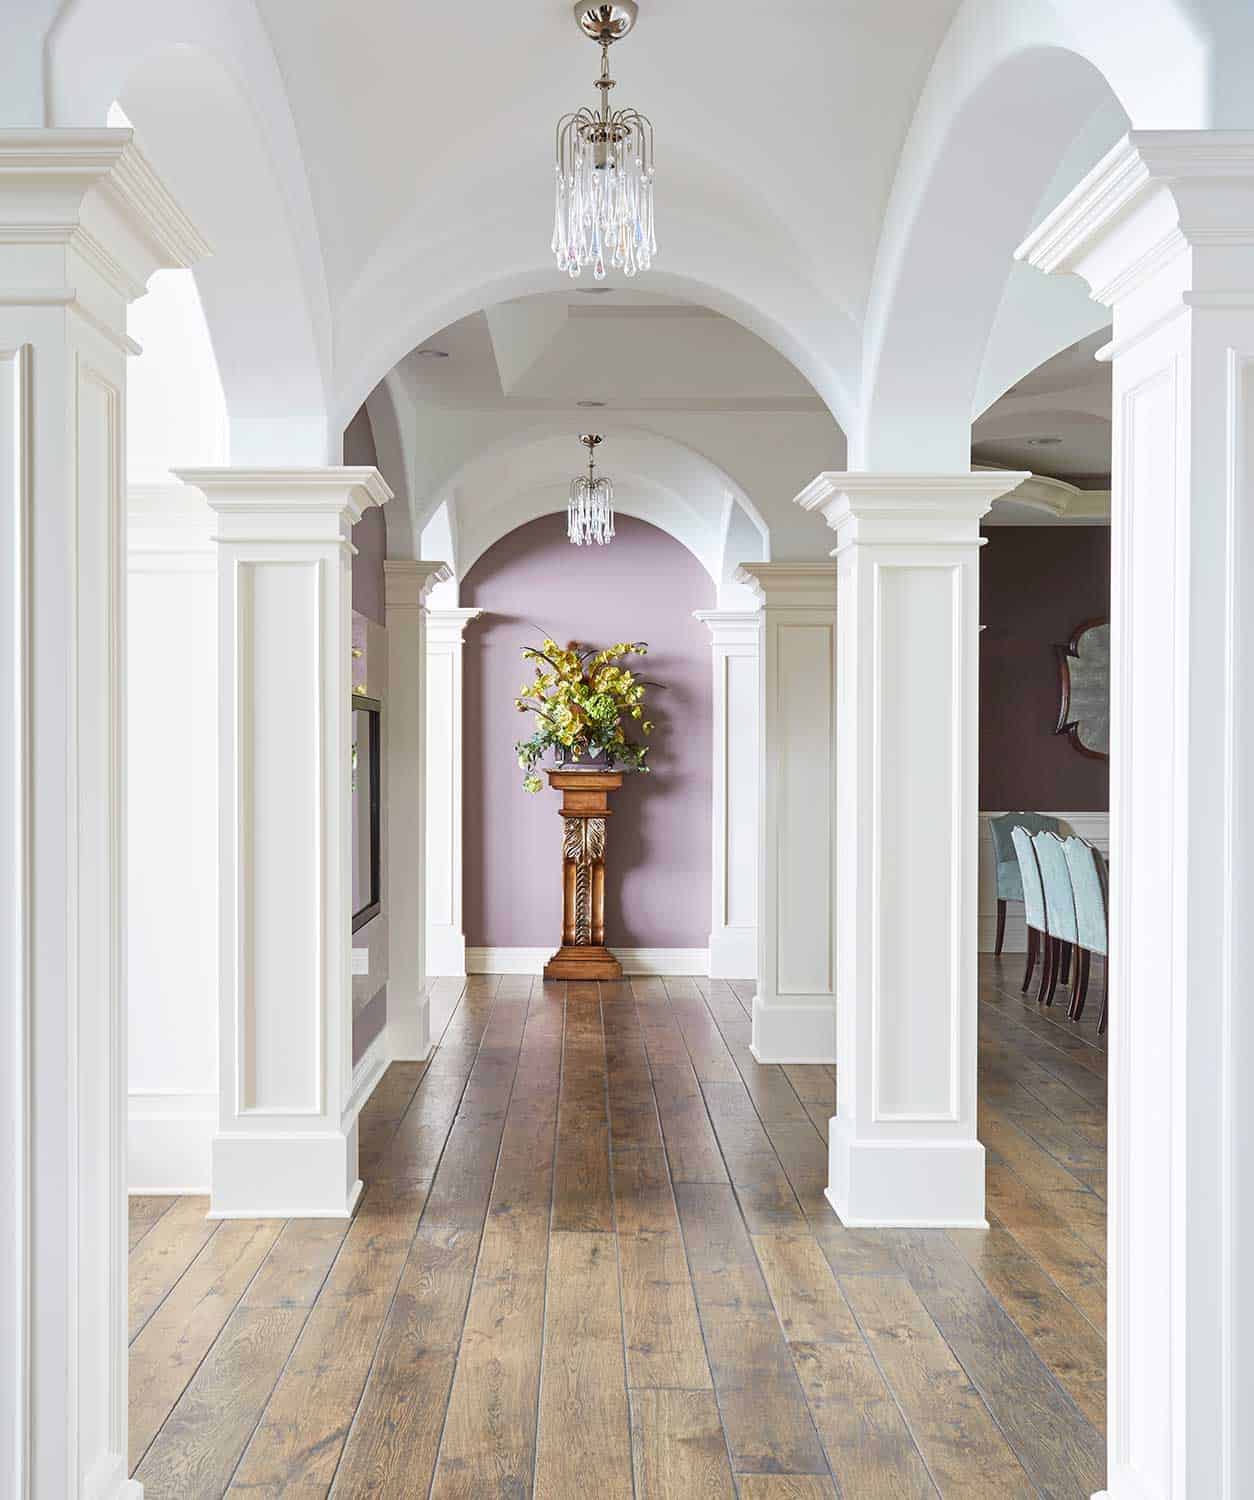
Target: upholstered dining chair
{"x":1089,"y":887}
{"x":1009,"y":879}
{"x":1059,"y":908}
{"x":1033,"y":905}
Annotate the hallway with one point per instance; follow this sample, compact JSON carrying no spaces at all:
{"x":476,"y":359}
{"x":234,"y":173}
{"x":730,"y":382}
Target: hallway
{"x":593,"y":1251}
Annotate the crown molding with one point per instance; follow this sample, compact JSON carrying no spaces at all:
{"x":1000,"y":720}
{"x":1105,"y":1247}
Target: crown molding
{"x":406,"y":584}
{"x":1057,"y":498}
{"x":1205,"y":181}
{"x":791,"y":585}
{"x":96,"y":192}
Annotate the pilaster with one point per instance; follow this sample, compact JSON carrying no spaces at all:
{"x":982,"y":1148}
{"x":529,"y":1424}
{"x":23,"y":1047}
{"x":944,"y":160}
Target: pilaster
{"x":903,"y":1145}
{"x":735,"y":647}
{"x":84,"y":222}
{"x":794,"y":1009}
{"x":407,"y":586}
{"x":172,"y":822}
{"x":286,"y":1144}
{"x":446,"y":939}
{"x":1162,"y":230}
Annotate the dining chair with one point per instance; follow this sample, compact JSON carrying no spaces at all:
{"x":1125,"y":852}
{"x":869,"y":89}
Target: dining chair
{"x":1059,"y":908}
{"x":1009,"y":879}
{"x":1089,"y":886}
{"x":1033,"y":906}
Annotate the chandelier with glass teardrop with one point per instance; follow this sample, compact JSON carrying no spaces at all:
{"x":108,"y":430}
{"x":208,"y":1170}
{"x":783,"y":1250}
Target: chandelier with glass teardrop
{"x":603,"y":215}
{"x":590,"y":513}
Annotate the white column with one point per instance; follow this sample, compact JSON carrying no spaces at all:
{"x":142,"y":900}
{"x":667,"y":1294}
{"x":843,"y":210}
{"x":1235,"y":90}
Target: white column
{"x":405,"y":832}
{"x":794,"y":1009}
{"x":734,"y":865}
{"x":903,"y":1145}
{"x":83,"y":223}
{"x":1163,"y":231}
{"x":287,"y":1138}
{"x":172,"y":823}
{"x":446,"y":941}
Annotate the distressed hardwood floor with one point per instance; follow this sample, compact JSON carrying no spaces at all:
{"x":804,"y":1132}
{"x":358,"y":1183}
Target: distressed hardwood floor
{"x":593,"y":1258}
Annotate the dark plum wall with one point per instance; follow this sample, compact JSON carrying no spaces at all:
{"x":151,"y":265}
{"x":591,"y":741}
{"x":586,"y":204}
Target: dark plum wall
{"x":643,"y":586}
{"x":1037,"y":583}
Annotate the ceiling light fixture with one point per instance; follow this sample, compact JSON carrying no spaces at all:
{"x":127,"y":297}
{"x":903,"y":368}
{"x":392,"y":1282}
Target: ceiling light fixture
{"x":1042,"y":442}
{"x":432,"y":353}
{"x":603,"y":215}
{"x":590,"y":514}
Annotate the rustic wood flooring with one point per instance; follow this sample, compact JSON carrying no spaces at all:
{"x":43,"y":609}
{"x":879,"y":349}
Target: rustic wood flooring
{"x":593,"y":1259}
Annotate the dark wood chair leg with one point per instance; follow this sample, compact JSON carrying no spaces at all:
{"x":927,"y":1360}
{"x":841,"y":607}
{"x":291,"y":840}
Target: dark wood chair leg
{"x":1064,"y":967}
{"x":1047,"y":967}
{"x":1001,"y":926}
{"x":1101,"y":1020}
{"x":1080,"y":989}
{"x":1033,"y":949}
{"x":1055,"y":967}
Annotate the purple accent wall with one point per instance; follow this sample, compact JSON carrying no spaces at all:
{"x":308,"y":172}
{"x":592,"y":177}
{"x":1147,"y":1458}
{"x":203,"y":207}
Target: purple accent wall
{"x":1037,"y":583}
{"x":643,"y":586}
{"x":370,"y":535}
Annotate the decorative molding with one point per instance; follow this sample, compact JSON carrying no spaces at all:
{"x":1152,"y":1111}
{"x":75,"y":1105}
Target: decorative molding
{"x":790,"y":585}
{"x":668,"y":962}
{"x":407,"y":585}
{"x":283,"y":496}
{"x":367,"y":1074}
{"x":929,"y":509}
{"x":1056,"y":498}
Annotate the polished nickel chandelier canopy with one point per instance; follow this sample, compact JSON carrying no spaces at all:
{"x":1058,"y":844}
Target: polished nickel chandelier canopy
{"x":590,"y":514}
{"x":604,"y":210}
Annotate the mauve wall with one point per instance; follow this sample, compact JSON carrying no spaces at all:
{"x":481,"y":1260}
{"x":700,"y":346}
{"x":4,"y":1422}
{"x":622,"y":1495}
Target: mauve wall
{"x":643,"y":586}
{"x":1037,"y":583}
{"x":370,"y":535}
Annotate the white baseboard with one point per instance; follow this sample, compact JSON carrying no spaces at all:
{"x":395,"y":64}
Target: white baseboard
{"x":675,"y":962}
{"x":734,"y":953}
{"x":107,"y":1480}
{"x":446,"y":955}
{"x":794,"y":1033}
{"x":371,"y":1067}
{"x":168,"y":1142}
{"x":409,"y":1035}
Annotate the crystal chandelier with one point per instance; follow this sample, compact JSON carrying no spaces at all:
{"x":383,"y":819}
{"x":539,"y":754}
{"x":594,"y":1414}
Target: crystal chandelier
{"x":590,"y":514}
{"x":604,"y":210}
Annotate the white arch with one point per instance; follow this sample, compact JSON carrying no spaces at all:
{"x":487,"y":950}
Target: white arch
{"x":202,"y":87}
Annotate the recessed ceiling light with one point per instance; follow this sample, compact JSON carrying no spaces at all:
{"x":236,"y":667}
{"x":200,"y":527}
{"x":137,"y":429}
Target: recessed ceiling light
{"x":590,"y":403}
{"x":431,"y":353}
{"x":1042,"y":442}
{"x":595,"y":291}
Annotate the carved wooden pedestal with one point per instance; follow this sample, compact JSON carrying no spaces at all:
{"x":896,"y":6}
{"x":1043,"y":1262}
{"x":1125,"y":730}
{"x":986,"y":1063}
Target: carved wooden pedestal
{"x":585,"y":808}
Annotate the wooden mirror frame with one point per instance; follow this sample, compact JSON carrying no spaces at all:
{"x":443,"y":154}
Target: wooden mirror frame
{"x":1066,"y":655}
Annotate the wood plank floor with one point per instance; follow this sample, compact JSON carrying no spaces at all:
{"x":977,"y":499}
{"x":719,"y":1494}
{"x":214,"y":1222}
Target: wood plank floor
{"x":594,"y":1257}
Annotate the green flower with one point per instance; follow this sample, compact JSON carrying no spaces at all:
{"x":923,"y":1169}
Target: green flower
{"x":532,"y":783}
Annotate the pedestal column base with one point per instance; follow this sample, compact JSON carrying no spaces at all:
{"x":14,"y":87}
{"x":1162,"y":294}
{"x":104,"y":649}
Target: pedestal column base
{"x":583,"y":963}
{"x":293,"y":1175}
{"x":905,"y":1184}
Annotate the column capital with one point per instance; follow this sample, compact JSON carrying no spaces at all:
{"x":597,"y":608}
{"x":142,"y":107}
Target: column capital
{"x":1153,"y":196}
{"x":907,"y":509}
{"x":93,"y":192}
{"x":447,"y":627}
{"x":406,"y":584}
{"x":790,"y":585}
{"x":288,"y":505}
{"x":731,"y":627}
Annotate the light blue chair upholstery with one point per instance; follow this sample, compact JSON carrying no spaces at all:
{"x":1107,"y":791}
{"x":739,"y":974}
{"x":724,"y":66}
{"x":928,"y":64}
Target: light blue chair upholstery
{"x":1056,"y":878}
{"x":1009,"y":879}
{"x":1089,"y":890}
{"x":1032,"y":891}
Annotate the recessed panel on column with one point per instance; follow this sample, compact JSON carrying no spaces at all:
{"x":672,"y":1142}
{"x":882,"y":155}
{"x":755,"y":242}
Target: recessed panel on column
{"x":740,"y":882}
{"x":917,"y":952}
{"x":280,"y":747}
{"x":803,"y":710}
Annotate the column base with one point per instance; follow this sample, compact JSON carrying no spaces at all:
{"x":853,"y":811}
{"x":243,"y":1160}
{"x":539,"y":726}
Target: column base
{"x":588,"y":962}
{"x":108,"y":1480}
{"x":905,"y":1184}
{"x":409,"y":1031}
{"x":446,"y":953}
{"x":297,"y":1175}
{"x":734,"y":953}
{"x":789,"y":1032}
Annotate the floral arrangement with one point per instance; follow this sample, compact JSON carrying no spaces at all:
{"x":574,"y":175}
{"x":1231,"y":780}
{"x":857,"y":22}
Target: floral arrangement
{"x":580,"y":698}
